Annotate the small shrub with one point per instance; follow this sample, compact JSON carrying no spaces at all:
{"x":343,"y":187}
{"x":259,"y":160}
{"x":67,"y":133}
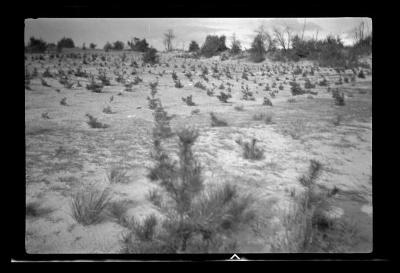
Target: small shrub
{"x":44,"y":83}
{"x":178,"y":84}
{"x":215,"y":122}
{"x":162,"y":128}
{"x":361,"y":74}
{"x":63,"y":101}
{"x":188,"y":101}
{"x":338,"y":96}
{"x":267,"y":101}
{"x":200,"y":85}
{"x":95,"y":87}
{"x":296,"y":89}
{"x":45,"y":115}
{"x":324,"y":82}
{"x":150,"y":56}
{"x":308,"y":84}
{"x":94,"y":123}
{"x":250,"y":151}
{"x":223,"y":97}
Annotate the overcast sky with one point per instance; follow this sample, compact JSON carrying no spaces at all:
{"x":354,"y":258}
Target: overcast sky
{"x":99,"y":31}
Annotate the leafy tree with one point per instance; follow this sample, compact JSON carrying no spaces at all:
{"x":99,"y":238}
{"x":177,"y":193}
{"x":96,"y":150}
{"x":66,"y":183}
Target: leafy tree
{"x":213,"y":45}
{"x":92,"y":46}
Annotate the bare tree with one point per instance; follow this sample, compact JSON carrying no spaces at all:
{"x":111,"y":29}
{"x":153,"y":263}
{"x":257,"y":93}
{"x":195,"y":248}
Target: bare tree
{"x":280,"y":38}
{"x":268,"y":40}
{"x":304,"y":28}
{"x":359,"y":32}
{"x":168,"y":37}
{"x":283,"y":41}
{"x":288,"y":31}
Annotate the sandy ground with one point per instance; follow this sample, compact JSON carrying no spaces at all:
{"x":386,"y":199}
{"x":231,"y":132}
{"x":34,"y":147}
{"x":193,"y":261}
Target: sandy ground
{"x":63,"y":154}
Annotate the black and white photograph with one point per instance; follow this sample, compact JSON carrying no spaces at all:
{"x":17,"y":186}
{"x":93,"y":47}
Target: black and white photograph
{"x":198,"y":135}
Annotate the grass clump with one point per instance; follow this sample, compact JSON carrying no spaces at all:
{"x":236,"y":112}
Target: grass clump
{"x":88,"y":206}
{"x":117,"y":175}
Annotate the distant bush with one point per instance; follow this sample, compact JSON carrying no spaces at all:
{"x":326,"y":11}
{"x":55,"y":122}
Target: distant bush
{"x":107,"y":47}
{"x":65,"y":43}
{"x":118,"y":45}
{"x":150,"y":56}
{"x":36,"y":45}
{"x":194,"y":47}
{"x":138,"y":45}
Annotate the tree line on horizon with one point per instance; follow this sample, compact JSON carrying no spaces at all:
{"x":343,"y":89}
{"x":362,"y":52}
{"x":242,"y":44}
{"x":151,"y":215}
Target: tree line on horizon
{"x":280,"y":45}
